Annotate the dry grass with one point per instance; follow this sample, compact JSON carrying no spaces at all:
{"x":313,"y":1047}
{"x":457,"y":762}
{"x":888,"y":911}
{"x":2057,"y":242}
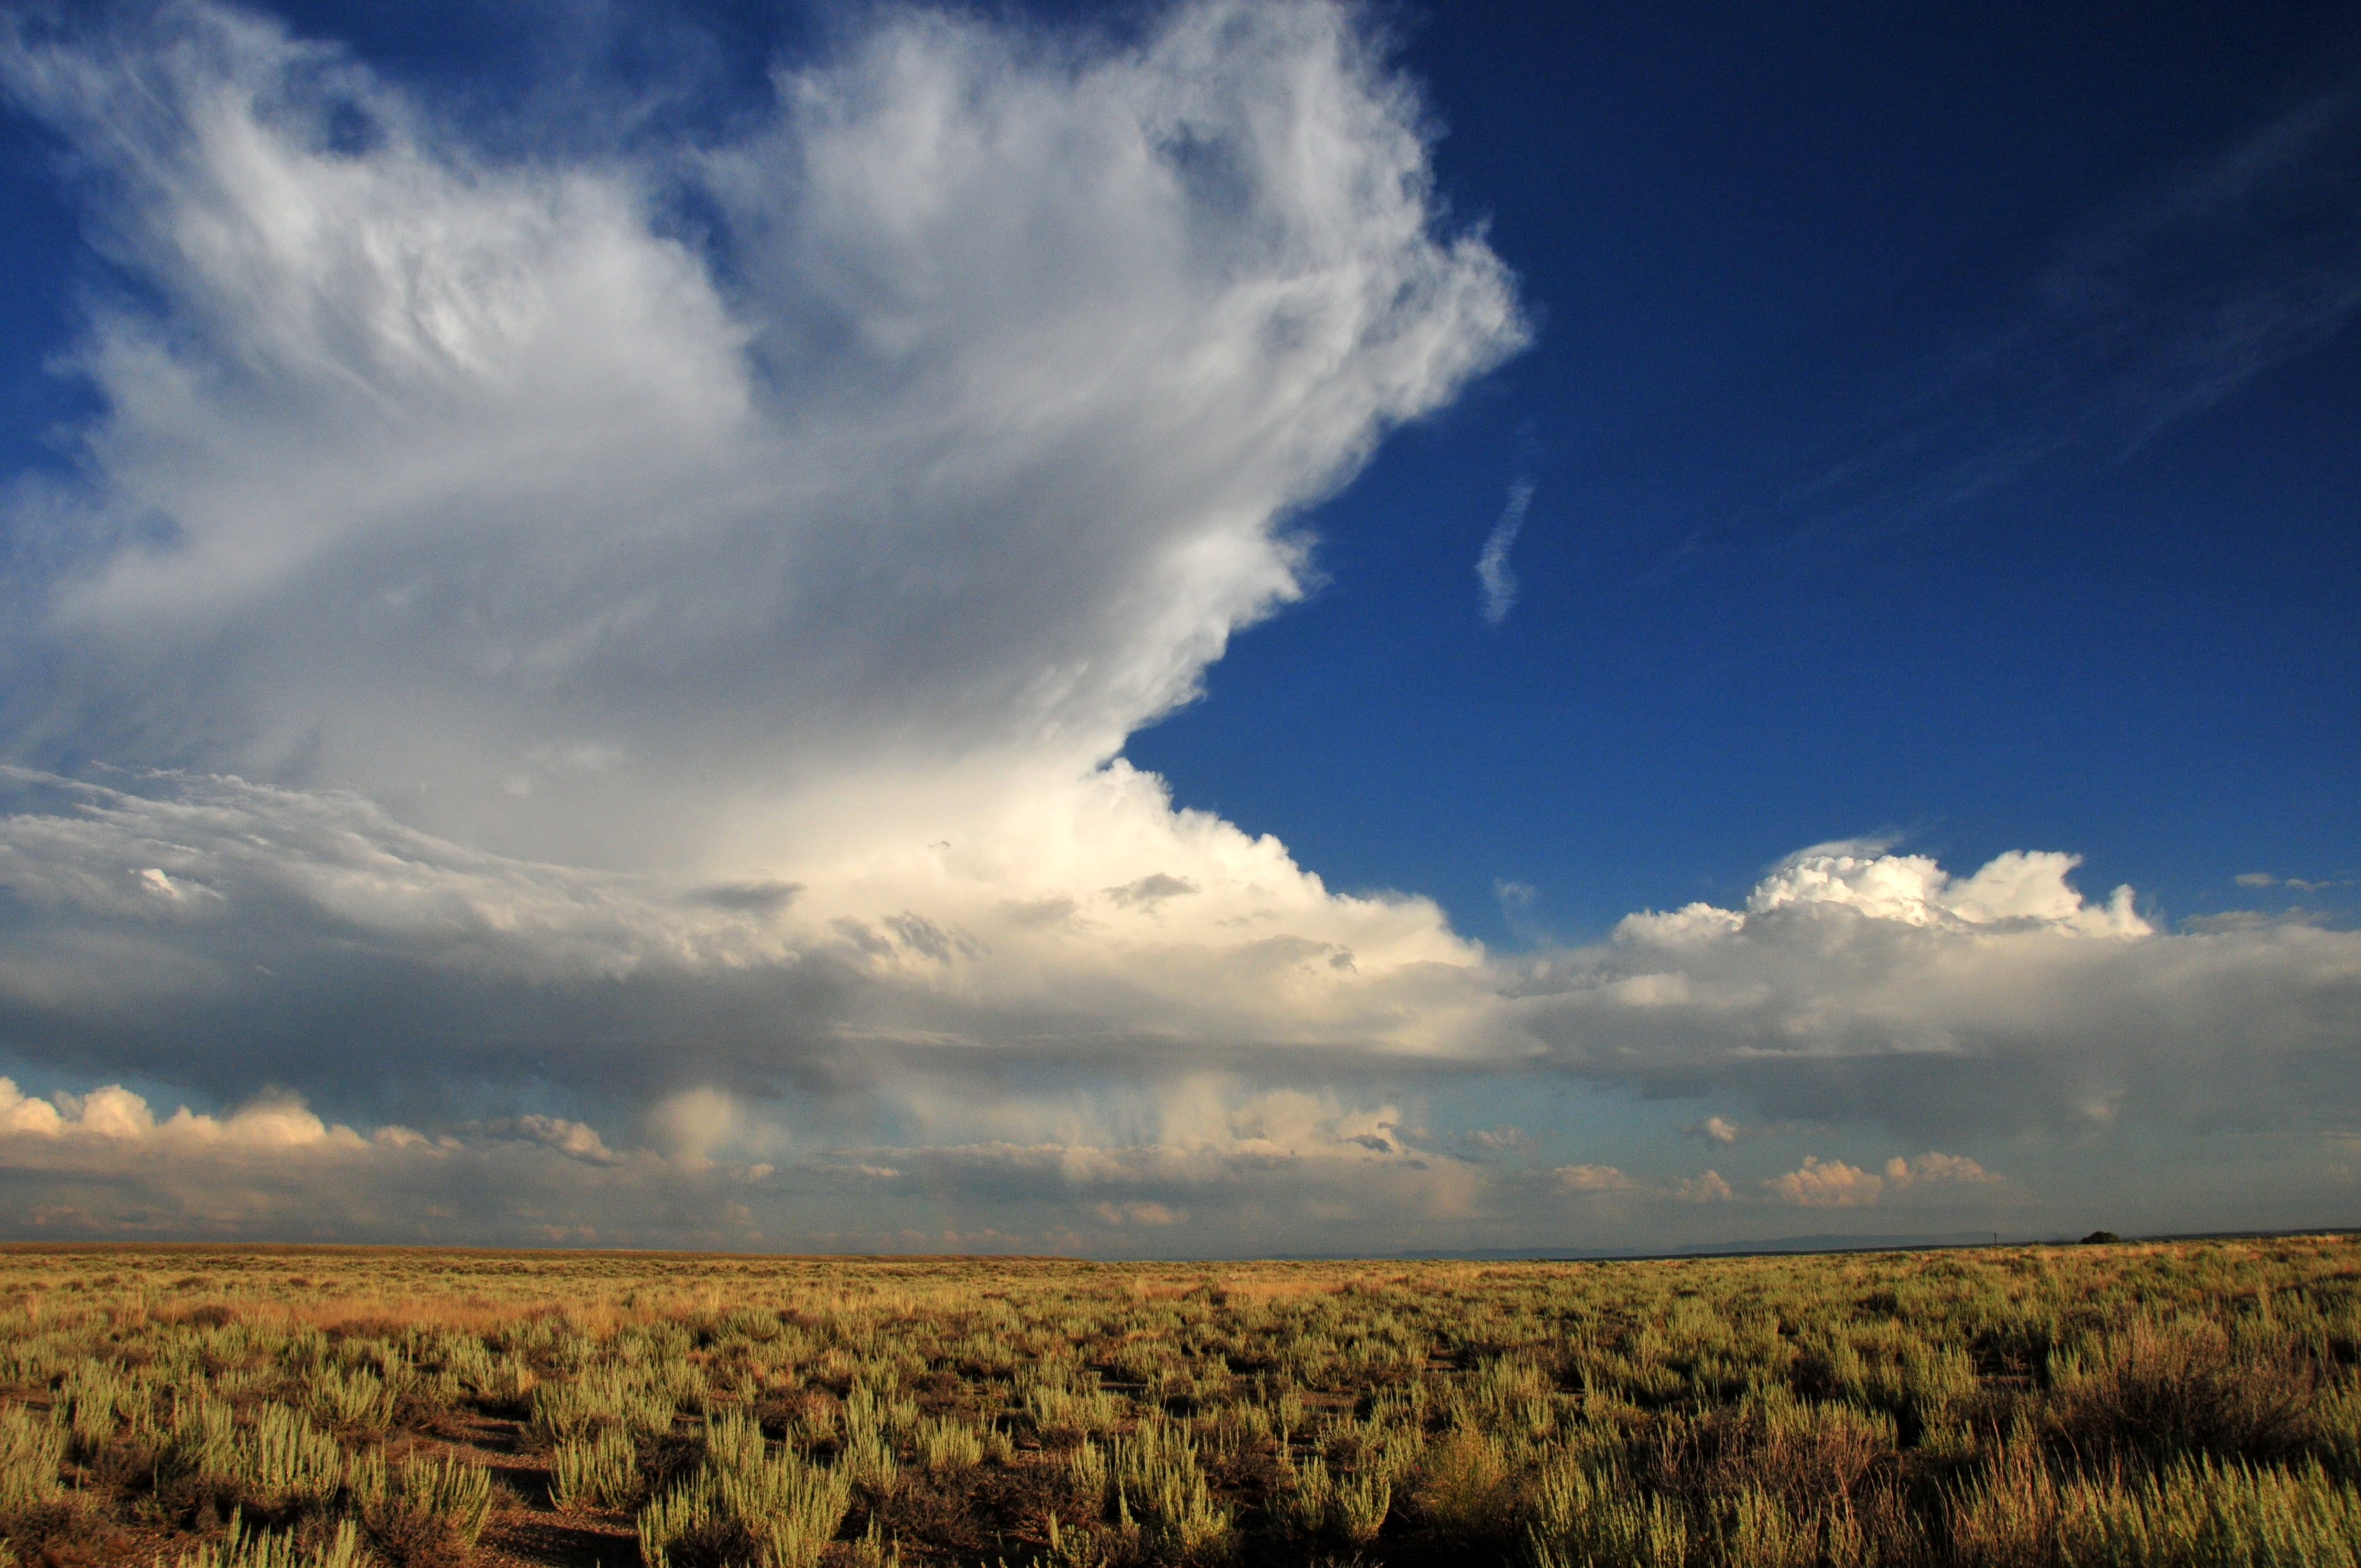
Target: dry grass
{"x":2011,"y":1407}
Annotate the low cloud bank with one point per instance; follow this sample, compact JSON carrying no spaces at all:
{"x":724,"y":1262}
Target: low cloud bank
{"x":1042,"y":1050}
{"x":1862,"y":986}
{"x":1212,"y":1168}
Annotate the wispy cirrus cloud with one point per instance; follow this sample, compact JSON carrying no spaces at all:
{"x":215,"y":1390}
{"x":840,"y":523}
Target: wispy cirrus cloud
{"x":2159,"y":305}
{"x":1494,"y":575}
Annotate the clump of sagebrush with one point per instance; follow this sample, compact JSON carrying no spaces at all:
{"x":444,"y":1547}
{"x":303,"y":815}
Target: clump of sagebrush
{"x":1468,"y":1488}
{"x":2191,"y":1384}
{"x":600,"y":1472}
{"x":337,"y":1547}
{"x":2026,"y":1511}
{"x":32,"y":1449}
{"x":2138,"y":1403}
{"x":745,"y":1505}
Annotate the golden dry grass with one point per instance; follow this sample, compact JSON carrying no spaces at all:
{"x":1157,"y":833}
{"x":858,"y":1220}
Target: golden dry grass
{"x":248,"y":1408}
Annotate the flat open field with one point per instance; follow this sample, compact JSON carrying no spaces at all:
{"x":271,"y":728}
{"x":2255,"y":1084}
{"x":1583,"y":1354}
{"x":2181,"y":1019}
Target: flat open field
{"x":2192,"y":1403}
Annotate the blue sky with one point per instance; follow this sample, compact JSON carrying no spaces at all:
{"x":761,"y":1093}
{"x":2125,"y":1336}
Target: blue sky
{"x":1208,"y":628}
{"x":1764,"y":249}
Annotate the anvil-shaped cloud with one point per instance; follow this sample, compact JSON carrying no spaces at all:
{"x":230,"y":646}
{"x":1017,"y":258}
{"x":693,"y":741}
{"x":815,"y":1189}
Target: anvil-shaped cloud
{"x":951,"y":454}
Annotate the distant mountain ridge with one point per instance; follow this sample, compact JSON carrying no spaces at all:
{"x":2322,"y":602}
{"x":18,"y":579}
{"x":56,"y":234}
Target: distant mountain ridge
{"x":1732,"y":1248}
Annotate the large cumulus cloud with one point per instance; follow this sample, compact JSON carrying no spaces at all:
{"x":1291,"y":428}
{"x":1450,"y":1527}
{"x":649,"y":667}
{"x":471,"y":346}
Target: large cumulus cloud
{"x":960,"y":444}
{"x":502,"y":641}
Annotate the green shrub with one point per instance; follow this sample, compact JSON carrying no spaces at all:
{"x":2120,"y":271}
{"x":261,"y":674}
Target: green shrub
{"x":1158,"y":1481}
{"x":2201,"y":1512}
{"x":31,"y":1450}
{"x":1466,"y":1490}
{"x":238,"y":1549}
{"x":204,"y":1439}
{"x":948,"y":1446}
{"x":286,"y":1455}
{"x":368,"y":1482}
{"x":443,"y":1499}
{"x":1996,"y":1409}
{"x":1362,"y":1503}
{"x":2193,"y":1513}
{"x":1310,"y":1498}
{"x":2167,"y":1386}
{"x":638,"y":1400}
{"x":355,"y":1399}
{"x":775,"y":1512}
{"x":94,"y":1392}
{"x":601,"y":1472}
{"x":1588,"y":1517}
{"x":867,"y":1461}
{"x":733,"y":1440}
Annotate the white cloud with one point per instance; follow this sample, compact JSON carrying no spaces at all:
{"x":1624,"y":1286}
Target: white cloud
{"x":573,"y":1139}
{"x":491,"y":968}
{"x":517,"y":596}
{"x":1234,"y":1168}
{"x":1935,"y":1167}
{"x":1138,"y":1214}
{"x":1493,"y":573}
{"x":1715,"y":1129}
{"x":695,"y":1122}
{"x":1592,"y":1179}
{"x":113,"y":1114}
{"x":733,"y":1029}
{"x":1856,"y":986}
{"x":2018,"y":888}
{"x":1826,"y":1184}
{"x":1710,"y":1188}
{"x":104,"y":1164}
{"x":2234,"y":920}
{"x":459,"y":484}
{"x":1833,"y":1184}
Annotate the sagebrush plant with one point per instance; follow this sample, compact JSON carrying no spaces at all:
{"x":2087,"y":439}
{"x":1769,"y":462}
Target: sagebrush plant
{"x":449,"y":1491}
{"x":284,"y":1455}
{"x":599,"y":1472}
{"x":2005,"y":1408}
{"x":32,"y":1449}
{"x":242,"y":1548}
{"x":745,"y":1505}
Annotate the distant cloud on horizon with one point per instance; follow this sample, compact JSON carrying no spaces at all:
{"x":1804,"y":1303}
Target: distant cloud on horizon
{"x":733,"y":1054}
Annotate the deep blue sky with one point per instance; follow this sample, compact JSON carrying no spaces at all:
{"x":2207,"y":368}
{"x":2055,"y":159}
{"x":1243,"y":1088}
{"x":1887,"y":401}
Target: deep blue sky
{"x":1759,"y":244}
{"x":1757,"y":238}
